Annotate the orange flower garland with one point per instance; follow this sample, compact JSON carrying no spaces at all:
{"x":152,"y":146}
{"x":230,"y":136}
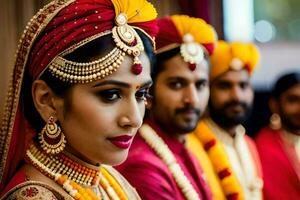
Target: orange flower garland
{"x":229,"y":182}
{"x":115,"y":185}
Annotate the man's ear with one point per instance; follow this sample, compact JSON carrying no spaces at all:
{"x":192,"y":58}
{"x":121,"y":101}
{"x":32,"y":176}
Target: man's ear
{"x":44,"y":99}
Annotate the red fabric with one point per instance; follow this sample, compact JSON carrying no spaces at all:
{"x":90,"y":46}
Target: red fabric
{"x":74,"y":23}
{"x":21,"y":132}
{"x":210,"y":47}
{"x":280,"y":178}
{"x":19,"y":177}
{"x":196,"y":8}
{"x":168,"y":34}
{"x":151,"y":176}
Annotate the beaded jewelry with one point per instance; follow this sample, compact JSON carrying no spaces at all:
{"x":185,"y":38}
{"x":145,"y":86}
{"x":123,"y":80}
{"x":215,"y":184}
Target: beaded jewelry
{"x":191,"y":51}
{"x":127,"y":42}
{"x":51,"y":138}
{"x":73,"y":176}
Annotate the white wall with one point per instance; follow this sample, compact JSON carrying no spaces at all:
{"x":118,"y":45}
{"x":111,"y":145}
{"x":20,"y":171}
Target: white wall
{"x":276,"y":59}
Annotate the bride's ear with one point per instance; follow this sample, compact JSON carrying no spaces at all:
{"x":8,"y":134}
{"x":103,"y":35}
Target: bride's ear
{"x":45,"y":100}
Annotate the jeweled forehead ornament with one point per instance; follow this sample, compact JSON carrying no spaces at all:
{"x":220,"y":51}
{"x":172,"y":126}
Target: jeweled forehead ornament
{"x":127,"y":39}
{"x":127,"y":42}
{"x":191,"y":51}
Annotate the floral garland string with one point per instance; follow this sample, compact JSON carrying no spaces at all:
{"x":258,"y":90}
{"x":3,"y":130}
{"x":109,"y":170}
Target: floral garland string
{"x":163,"y":151}
{"x":220,"y":162}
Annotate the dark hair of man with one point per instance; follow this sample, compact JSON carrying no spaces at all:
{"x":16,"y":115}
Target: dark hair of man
{"x":284,"y":83}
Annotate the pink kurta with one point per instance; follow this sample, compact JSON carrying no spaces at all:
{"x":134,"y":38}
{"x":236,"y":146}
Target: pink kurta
{"x":281,"y":168}
{"x":145,"y":170}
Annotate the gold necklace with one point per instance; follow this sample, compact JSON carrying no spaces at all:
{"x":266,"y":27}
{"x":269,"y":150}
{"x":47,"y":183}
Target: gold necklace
{"x":71,"y":175}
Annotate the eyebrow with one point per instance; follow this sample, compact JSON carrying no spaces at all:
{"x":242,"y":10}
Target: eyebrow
{"x":178,"y":78}
{"x":121,"y":84}
{"x":147,"y":84}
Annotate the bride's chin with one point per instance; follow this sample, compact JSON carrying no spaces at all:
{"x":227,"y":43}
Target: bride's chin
{"x":117,"y":159}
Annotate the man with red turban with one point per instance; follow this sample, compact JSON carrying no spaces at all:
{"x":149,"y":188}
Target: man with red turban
{"x":159,"y":164}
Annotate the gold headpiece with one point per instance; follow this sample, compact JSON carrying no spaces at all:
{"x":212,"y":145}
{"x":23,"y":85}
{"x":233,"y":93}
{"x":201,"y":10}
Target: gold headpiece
{"x":127,"y":42}
{"x":191,"y":51}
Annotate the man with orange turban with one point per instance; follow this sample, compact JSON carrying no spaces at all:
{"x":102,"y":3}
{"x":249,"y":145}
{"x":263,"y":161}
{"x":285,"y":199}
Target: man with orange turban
{"x":227,"y":155}
{"x":159,"y":164}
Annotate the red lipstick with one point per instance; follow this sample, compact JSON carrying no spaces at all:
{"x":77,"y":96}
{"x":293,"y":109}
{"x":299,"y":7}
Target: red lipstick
{"x":123,"y":141}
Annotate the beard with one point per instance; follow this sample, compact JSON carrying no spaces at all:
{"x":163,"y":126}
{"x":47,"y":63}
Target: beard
{"x":223,"y":117}
{"x":290,"y":122}
{"x":186,"y":119}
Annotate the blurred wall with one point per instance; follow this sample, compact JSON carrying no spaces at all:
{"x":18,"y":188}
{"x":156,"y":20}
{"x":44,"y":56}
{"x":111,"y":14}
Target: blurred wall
{"x":14,"y":15}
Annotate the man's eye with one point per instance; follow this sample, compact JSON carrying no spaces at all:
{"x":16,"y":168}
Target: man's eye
{"x":201,"y":84}
{"x":110,"y":95}
{"x":142,"y":95}
{"x":244,"y":85}
{"x":175,"y":85}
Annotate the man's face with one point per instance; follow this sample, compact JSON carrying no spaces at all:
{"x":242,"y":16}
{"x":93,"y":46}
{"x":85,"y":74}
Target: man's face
{"x":231,"y":98}
{"x":180,"y":95}
{"x":289,"y":109}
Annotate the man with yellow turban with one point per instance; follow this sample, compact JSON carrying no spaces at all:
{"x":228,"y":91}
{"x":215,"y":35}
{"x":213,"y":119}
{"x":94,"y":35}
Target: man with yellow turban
{"x":227,"y":155}
{"x":159,"y":165}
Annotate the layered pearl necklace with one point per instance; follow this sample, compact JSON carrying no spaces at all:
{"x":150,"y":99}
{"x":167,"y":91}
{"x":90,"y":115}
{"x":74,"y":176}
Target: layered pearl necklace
{"x":71,"y":175}
{"x":163,"y":151}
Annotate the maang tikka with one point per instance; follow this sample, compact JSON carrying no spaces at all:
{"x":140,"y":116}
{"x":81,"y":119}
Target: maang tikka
{"x":191,"y":51}
{"x":127,"y":42}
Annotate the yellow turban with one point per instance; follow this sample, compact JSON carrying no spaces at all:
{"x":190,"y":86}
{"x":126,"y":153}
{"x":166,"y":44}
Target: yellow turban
{"x":233,"y":56}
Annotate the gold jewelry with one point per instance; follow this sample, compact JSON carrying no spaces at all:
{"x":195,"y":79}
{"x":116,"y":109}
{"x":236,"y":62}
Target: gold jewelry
{"x":74,"y":176}
{"x":275,"y":121}
{"x":51,"y":138}
{"x":191,"y":51}
{"x":236,"y":64}
{"x":127,"y":42}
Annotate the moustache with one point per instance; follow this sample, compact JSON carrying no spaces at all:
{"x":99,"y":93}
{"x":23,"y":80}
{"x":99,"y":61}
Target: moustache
{"x":188,"y":109}
{"x":235,"y":103}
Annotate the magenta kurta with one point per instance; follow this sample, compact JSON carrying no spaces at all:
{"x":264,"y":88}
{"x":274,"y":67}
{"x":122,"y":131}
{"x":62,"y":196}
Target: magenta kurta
{"x":145,"y":170}
{"x":281,"y":168}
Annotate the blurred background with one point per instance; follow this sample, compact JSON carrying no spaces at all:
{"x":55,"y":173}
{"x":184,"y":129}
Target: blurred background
{"x":274,"y":25}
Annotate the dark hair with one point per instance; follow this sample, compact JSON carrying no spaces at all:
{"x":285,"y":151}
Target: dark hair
{"x":161,"y":58}
{"x":89,"y":52}
{"x":284,"y":83}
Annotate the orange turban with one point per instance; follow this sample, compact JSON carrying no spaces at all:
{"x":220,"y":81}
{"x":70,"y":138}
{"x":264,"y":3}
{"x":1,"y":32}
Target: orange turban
{"x":233,"y":56}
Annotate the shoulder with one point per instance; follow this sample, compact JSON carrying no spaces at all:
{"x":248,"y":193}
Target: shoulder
{"x":264,"y":135}
{"x":32,"y":191}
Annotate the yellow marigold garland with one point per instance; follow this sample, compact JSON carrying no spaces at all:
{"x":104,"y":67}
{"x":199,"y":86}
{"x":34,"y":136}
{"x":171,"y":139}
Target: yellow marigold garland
{"x":115,"y":185}
{"x":220,"y":162}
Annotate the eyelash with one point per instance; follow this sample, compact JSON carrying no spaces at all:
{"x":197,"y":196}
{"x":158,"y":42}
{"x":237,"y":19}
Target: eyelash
{"x":110,"y":95}
{"x":145,"y":95}
{"x":113,"y":95}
